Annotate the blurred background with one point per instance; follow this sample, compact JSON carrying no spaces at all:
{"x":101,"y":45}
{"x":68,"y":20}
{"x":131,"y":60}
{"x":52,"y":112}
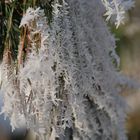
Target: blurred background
{"x":128,"y":42}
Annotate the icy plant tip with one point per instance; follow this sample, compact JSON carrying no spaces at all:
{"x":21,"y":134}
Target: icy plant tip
{"x":116,"y":10}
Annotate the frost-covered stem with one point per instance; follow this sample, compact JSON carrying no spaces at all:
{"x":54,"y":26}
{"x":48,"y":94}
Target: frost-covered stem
{"x":21,"y":47}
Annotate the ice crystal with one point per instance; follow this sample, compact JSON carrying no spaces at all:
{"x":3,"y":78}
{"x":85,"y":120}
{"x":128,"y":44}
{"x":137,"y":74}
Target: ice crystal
{"x":116,"y":9}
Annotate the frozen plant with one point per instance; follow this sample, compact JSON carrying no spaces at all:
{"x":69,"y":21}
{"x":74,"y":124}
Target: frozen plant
{"x":67,"y":85}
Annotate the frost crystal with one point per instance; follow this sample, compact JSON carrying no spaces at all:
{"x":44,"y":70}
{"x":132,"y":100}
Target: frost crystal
{"x":116,"y":9}
{"x":30,"y":15}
